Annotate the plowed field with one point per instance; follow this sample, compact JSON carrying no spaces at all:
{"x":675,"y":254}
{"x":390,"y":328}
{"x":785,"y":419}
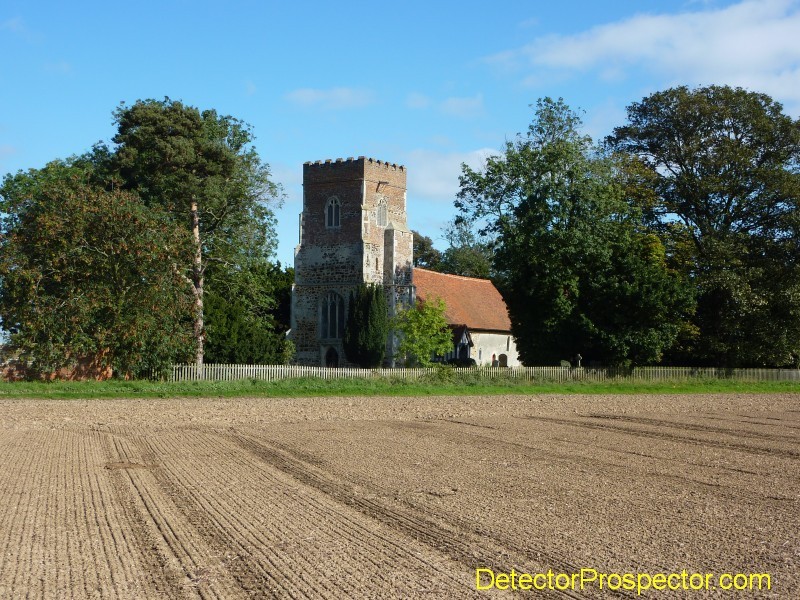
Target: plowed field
{"x":393,"y":497}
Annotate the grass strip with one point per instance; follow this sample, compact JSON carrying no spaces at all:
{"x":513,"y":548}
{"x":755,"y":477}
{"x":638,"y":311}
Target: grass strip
{"x":430,"y":386}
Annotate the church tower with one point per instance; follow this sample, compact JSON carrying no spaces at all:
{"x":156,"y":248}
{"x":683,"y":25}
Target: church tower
{"x":353,"y":230}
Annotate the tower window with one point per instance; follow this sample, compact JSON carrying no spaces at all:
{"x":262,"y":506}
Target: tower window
{"x":332,"y":318}
{"x":383,"y":213}
{"x":332,"y":212}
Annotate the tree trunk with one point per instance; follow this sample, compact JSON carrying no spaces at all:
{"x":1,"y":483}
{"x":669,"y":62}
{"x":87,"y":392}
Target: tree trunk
{"x":197,"y":281}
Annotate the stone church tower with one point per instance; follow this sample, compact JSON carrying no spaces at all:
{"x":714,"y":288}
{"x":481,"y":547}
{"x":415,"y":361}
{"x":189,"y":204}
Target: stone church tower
{"x":353,"y":230}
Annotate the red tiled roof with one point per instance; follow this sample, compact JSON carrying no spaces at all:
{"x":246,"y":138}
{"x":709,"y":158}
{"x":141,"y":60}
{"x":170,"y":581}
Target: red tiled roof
{"x":475,"y":303}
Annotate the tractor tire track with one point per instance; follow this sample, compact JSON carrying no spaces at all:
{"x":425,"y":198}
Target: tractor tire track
{"x":792,"y":454}
{"x":232,"y":513}
{"x":461,"y":541}
{"x":695,"y":427}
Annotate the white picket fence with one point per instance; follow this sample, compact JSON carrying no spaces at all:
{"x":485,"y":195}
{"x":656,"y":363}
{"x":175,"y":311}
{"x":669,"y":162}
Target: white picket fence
{"x":215,"y":372}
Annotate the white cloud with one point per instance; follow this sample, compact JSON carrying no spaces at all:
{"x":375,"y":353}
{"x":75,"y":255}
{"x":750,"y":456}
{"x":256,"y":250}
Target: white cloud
{"x":289,"y":176}
{"x":60,"y":67}
{"x":18,"y":27}
{"x":434,"y":175}
{"x":417,"y":100}
{"x":6,"y":151}
{"x":332,"y":99}
{"x":753,"y":44}
{"x":15,"y":25}
{"x":462,"y":107}
{"x":455,"y":106}
{"x":602,"y":118}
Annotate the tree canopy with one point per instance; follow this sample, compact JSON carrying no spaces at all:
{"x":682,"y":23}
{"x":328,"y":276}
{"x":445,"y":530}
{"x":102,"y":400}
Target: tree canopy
{"x":200,"y":168}
{"x":186,"y":192}
{"x":423,"y":332}
{"x":90,"y":273}
{"x":466,"y":254}
{"x":247,"y":320}
{"x":579,"y":272}
{"x":721,"y":167}
{"x":425,"y":255}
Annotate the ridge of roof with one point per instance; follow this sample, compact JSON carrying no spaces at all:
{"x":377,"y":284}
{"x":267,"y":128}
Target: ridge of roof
{"x":452,"y":275}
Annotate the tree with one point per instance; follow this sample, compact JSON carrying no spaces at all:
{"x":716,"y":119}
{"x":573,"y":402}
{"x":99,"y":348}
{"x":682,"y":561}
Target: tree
{"x":425,"y":255}
{"x":247,"y":315}
{"x":367,"y":328}
{"x":90,"y":274}
{"x":202,"y":170}
{"x":579,"y":271}
{"x":725,"y":164}
{"x":466,"y":255}
{"x":282,"y":281}
{"x":423,"y":332}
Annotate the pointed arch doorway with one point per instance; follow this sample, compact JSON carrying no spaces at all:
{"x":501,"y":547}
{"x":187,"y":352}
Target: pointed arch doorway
{"x":331,"y":358}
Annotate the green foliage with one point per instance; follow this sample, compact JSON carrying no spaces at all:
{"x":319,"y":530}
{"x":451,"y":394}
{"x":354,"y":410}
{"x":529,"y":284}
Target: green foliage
{"x":444,"y":374}
{"x":173,"y":155}
{"x":423,"y":332}
{"x":202,"y":169}
{"x":247,"y":315}
{"x":425,"y":255}
{"x":367,"y":327}
{"x":288,"y":351}
{"x":109,"y":255}
{"x":726,"y":162}
{"x":235,"y":337}
{"x":90,"y":274}
{"x":466,"y":255}
{"x":579,"y":271}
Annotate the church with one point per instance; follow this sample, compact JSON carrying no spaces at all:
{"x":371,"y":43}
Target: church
{"x":354,"y":230}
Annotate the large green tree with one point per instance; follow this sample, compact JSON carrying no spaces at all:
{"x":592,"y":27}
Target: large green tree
{"x":87,"y":273}
{"x":580,"y":272}
{"x":423,"y":332}
{"x":722,"y":166}
{"x":367,"y":327}
{"x":202,"y":169}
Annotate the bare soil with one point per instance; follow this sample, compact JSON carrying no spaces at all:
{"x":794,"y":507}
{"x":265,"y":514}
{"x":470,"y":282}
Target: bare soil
{"x":392,"y":497}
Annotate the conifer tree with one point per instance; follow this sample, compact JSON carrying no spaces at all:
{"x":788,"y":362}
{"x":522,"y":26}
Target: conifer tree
{"x":367,"y":327}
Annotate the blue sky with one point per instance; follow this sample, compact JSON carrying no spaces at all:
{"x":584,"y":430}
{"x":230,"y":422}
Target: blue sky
{"x":425,"y":84}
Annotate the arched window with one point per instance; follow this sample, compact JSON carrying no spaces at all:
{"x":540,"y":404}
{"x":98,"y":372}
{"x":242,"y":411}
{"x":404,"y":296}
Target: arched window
{"x":332,"y":318}
{"x":383,"y":213}
{"x":332,"y":212}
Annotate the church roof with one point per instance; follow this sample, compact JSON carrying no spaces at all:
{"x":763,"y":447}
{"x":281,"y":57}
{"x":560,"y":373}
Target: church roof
{"x":475,"y":303}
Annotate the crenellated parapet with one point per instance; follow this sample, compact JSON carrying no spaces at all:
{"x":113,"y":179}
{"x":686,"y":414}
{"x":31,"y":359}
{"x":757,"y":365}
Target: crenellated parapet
{"x":350,"y":160}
